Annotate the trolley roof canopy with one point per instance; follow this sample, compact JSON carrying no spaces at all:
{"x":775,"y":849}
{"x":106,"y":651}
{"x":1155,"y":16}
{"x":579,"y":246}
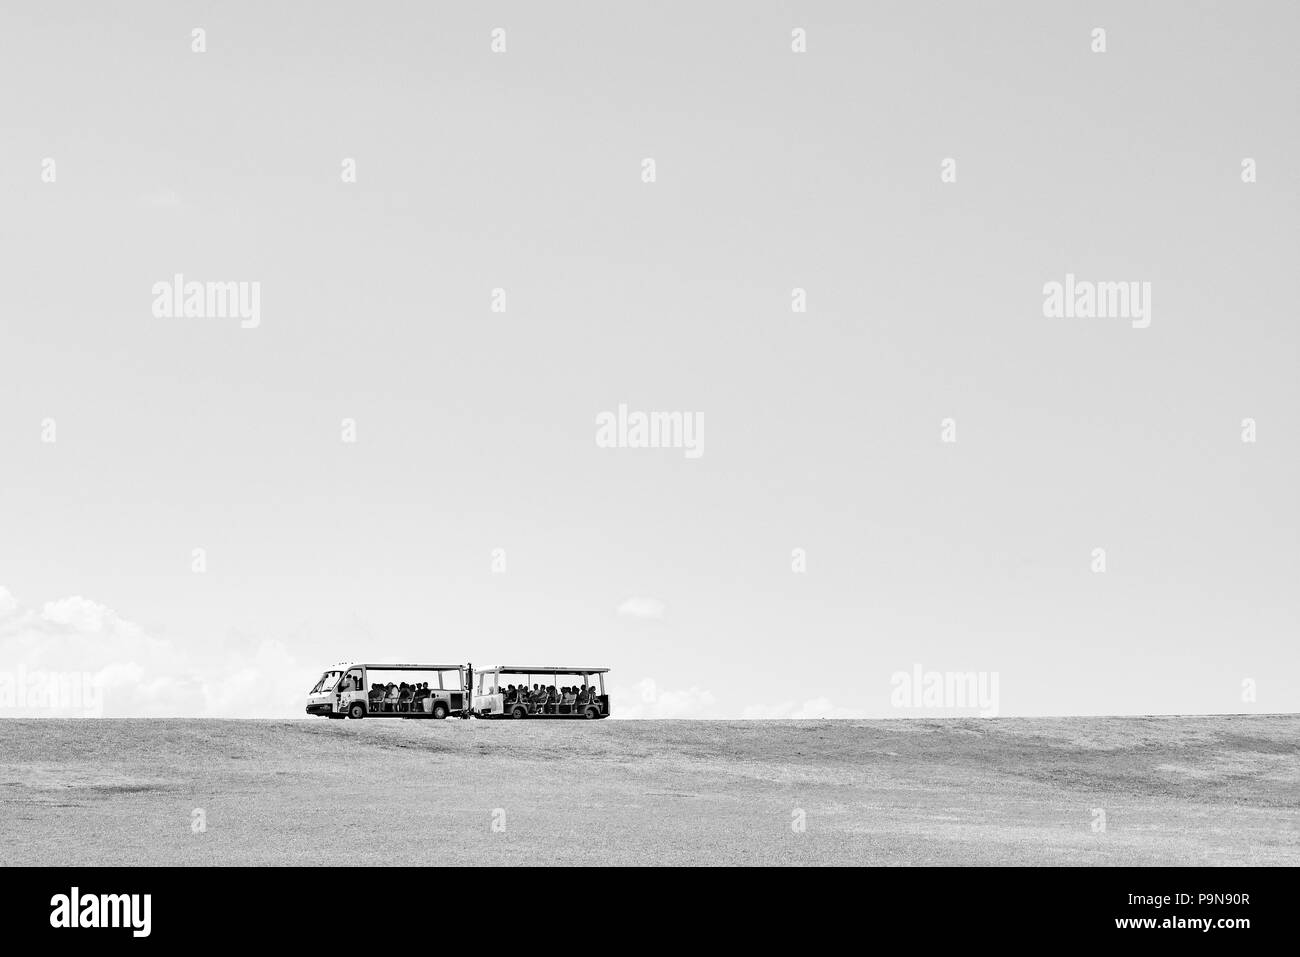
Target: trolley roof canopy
{"x":410,"y":667}
{"x":546,"y":669}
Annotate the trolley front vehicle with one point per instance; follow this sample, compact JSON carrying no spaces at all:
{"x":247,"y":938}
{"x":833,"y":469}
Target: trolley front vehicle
{"x":541,"y":691}
{"x":352,"y":690}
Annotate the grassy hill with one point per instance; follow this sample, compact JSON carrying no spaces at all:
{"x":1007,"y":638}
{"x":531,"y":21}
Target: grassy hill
{"x":1175,"y":790}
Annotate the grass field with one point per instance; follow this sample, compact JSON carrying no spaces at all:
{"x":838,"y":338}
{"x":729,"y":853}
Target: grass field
{"x":1182,"y":790}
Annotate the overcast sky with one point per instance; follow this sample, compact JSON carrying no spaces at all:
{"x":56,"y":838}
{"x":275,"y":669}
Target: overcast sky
{"x":475,"y":429}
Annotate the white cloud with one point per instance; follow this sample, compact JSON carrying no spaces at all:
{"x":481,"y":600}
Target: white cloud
{"x":647,"y":700}
{"x":163,"y":198}
{"x":645,"y":609}
{"x":8,"y":604}
{"x":134,"y":673}
{"x":260,"y":686}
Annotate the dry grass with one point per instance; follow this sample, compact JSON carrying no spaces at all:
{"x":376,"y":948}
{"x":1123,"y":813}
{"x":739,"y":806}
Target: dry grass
{"x":1186,"y":790}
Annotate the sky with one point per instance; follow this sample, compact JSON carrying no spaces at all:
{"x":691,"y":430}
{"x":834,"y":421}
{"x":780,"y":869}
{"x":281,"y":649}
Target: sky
{"x":912,"y":475}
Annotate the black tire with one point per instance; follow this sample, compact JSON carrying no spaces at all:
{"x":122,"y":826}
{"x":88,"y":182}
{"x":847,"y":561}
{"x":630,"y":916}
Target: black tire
{"x":440,"y":711}
{"x":356,"y":711}
{"x":591,"y":712}
{"x":518,"y":711}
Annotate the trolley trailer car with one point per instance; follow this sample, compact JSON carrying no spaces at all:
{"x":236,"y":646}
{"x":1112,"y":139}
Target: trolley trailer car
{"x":541,"y":691}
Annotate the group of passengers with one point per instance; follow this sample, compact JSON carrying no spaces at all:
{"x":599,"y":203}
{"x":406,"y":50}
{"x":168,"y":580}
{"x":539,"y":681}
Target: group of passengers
{"x":400,"y":697}
{"x":549,"y":694}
